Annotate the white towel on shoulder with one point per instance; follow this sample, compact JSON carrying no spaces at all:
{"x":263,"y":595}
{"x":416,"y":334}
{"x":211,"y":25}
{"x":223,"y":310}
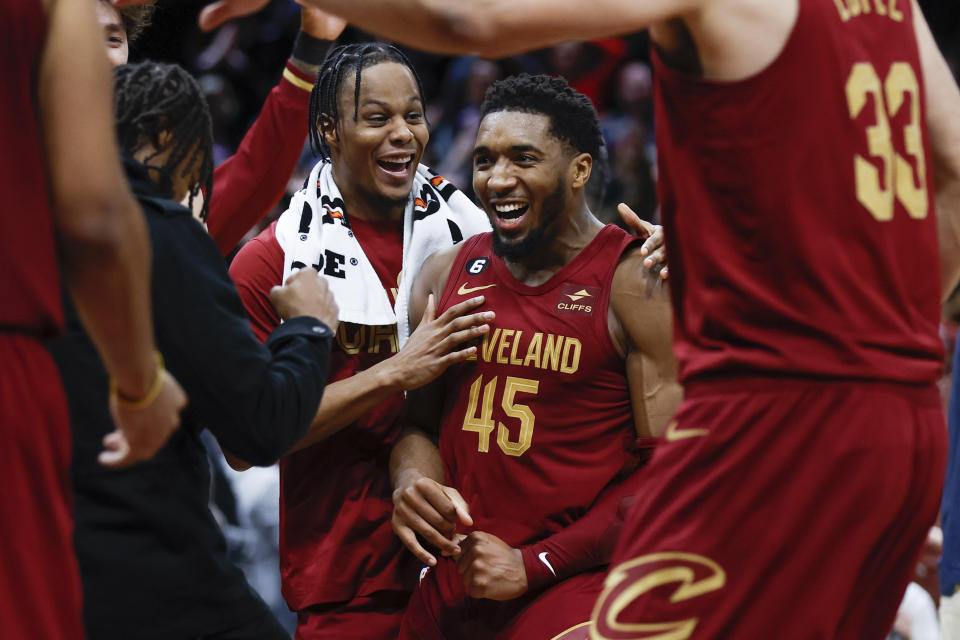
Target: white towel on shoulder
{"x":315,"y":231}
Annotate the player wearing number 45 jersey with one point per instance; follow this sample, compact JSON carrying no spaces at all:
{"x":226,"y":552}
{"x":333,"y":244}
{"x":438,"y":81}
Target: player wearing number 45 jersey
{"x":538,"y":431}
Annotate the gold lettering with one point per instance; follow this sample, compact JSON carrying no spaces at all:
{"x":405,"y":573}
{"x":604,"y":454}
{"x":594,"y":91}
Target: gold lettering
{"x":881,"y":8}
{"x":844,"y":14}
{"x":383,"y":333}
{"x":504,"y":343}
{"x":571,"y":356}
{"x":351,"y":344}
{"x":489,"y":342}
{"x":513,"y":352}
{"x":552,"y":350}
{"x":854,"y":7}
{"x":895,"y":13}
{"x":533,"y":351}
{"x":866,"y":5}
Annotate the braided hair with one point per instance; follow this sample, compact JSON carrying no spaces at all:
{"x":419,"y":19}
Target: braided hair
{"x":338,"y":63}
{"x":152,"y":98}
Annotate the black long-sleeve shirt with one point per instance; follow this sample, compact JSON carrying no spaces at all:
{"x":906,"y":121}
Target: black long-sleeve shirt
{"x":152,"y":558}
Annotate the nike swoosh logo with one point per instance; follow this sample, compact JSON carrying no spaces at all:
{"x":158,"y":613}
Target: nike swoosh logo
{"x":674,"y":433}
{"x":543,"y":558}
{"x":464,"y":289}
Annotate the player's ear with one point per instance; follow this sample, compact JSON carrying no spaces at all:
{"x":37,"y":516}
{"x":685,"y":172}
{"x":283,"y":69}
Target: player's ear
{"x":328,"y":129}
{"x":580,"y":168}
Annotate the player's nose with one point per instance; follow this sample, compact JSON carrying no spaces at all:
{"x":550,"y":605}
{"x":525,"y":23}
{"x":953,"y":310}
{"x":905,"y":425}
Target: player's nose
{"x":501,"y":177}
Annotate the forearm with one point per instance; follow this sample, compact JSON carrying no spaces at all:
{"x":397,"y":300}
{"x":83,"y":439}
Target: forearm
{"x":496,"y":28}
{"x":267,"y":414}
{"x":587,"y":543}
{"x":249,"y":183}
{"x":661,"y":405}
{"x":108,"y":275}
{"x":413,"y":456}
{"x":347,"y":400}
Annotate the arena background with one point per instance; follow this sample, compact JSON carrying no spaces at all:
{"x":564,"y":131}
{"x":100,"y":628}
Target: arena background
{"x":240,"y":62}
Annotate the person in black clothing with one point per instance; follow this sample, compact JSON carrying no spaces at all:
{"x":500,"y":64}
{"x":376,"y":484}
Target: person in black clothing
{"x":152,"y":558}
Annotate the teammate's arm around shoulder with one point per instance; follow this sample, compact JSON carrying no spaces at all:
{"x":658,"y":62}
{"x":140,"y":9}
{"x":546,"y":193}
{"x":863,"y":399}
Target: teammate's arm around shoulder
{"x":103,"y":237}
{"x":642,"y":327}
{"x":422,"y":504}
{"x":943,"y":120}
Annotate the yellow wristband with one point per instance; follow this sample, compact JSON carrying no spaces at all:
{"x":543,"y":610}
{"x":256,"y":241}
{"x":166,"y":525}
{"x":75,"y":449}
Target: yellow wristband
{"x":150,"y":396}
{"x":296,"y":81}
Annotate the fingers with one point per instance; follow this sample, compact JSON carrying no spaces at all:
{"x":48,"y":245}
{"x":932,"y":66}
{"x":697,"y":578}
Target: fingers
{"x":474,"y":319}
{"x":430,"y":312}
{"x":633,"y":221}
{"x":460,"y":506}
{"x":459,"y":337}
{"x":460,"y":309}
{"x":116,"y":451}
{"x":458,"y":539}
{"x":214,"y":15}
{"x":409,"y":540}
{"x":426,"y":508}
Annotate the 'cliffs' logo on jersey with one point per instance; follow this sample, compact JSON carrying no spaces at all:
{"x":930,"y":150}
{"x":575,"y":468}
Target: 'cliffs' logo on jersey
{"x":575,"y":298}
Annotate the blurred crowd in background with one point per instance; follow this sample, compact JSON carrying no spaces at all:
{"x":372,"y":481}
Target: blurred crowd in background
{"x":239,"y":63}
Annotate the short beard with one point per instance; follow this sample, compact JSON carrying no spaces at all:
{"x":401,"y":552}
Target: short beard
{"x":516,"y":251}
{"x":553,"y":206}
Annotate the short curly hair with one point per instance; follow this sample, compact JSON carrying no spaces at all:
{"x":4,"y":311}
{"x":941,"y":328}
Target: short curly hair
{"x":136,"y":19}
{"x":572,"y":117}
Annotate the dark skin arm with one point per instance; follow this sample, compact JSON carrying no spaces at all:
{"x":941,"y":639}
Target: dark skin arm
{"x":102,"y":234}
{"x":422,"y":503}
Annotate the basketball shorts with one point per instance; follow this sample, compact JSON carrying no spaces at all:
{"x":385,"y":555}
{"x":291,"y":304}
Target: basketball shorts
{"x":40,"y":594}
{"x":440,"y":609}
{"x":778,"y":508}
{"x":372,"y":617}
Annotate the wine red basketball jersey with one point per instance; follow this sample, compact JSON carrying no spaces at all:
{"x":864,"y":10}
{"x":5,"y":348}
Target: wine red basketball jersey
{"x":798,"y":205}
{"x":538,"y":424}
{"x":30,"y":286}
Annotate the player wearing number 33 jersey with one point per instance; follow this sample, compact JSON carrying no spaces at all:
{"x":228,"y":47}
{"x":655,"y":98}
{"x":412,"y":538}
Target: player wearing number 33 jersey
{"x":792,"y":494}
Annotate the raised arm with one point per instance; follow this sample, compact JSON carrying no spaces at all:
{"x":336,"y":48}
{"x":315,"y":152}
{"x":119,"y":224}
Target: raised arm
{"x":258,"y":400}
{"x":250,"y":182}
{"x":943,"y":120}
{"x":103,"y":238}
{"x":492,"y":28}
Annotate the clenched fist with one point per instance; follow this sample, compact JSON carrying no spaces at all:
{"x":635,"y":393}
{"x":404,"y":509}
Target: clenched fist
{"x":306,"y":294}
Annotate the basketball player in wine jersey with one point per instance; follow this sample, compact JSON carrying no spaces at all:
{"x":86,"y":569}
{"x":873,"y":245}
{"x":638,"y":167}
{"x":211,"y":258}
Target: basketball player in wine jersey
{"x":546,"y":417}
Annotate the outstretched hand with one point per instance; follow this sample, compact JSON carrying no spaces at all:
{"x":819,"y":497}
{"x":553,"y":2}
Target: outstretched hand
{"x":653,"y":249}
{"x":438,"y":343}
